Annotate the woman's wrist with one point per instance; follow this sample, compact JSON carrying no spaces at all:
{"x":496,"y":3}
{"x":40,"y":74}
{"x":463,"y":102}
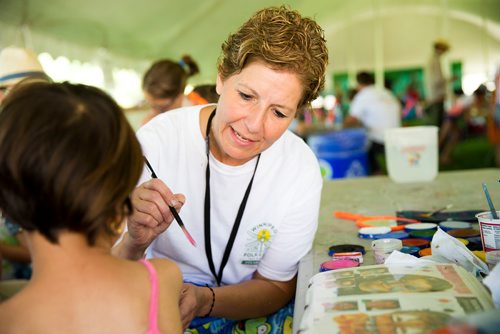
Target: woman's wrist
{"x":210,"y":301}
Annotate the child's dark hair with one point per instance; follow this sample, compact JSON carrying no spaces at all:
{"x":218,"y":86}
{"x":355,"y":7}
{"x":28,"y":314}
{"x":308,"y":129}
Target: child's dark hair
{"x":68,"y":160}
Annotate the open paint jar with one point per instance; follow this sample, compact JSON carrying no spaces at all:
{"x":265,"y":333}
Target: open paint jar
{"x":382,"y":248}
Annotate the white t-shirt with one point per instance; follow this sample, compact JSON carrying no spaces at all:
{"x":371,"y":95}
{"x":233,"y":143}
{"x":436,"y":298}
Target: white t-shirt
{"x":378,"y":110}
{"x":281,"y":215}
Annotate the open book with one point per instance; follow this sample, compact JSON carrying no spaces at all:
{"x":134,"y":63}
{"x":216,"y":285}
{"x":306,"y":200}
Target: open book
{"x":391,"y":299}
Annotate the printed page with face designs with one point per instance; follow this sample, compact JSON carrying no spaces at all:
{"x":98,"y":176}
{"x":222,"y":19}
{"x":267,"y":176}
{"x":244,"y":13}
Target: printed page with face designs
{"x":391,"y":299}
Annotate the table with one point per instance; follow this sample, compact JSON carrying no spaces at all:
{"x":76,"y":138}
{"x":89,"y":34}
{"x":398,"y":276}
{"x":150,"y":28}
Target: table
{"x":379,"y":195}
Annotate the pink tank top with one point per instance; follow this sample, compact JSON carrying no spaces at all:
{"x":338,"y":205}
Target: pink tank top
{"x":153,"y":305}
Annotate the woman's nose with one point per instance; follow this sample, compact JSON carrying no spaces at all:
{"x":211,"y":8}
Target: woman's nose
{"x":255,"y":120}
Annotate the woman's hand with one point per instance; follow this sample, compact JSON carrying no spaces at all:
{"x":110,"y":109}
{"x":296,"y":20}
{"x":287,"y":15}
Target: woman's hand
{"x":195,"y":302}
{"x":151,"y":216}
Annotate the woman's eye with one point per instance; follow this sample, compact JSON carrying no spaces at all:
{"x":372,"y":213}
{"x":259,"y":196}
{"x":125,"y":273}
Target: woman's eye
{"x":279,"y":114}
{"x":245,"y":96}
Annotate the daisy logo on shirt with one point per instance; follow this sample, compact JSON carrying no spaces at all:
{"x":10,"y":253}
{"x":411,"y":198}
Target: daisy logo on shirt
{"x":259,"y":238}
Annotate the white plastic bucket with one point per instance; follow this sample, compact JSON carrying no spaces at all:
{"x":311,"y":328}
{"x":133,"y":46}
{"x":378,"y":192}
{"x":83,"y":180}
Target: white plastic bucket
{"x":412,"y":153}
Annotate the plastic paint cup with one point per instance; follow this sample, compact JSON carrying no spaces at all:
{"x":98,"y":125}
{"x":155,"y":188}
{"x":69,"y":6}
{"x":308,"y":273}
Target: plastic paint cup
{"x":420,"y":243}
{"x":392,"y":235}
{"x":412,"y":250}
{"x":425,"y":252}
{"x":424,"y":234}
{"x":464,"y":241}
{"x":464,"y":233}
{"x":490,"y":231}
{"x":453,"y":225}
{"x":420,"y":227}
{"x":480,"y":254}
{"x":382,"y":248}
{"x":338,"y":264}
{"x":371,"y":232}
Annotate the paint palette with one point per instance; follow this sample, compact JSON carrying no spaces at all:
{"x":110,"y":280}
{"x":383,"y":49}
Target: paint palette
{"x":466,"y":215}
{"x":393,"y":222}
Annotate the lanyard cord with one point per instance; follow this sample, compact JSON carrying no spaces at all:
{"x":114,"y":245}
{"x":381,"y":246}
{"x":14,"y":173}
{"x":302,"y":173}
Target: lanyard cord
{"x":236,"y":225}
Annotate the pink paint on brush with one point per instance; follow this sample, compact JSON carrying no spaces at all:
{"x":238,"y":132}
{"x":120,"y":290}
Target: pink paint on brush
{"x":190,"y":238}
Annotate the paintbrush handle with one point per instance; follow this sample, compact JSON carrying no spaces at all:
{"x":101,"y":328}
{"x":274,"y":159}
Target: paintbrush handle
{"x":490,"y":203}
{"x":172,"y":209}
{"x":176,"y":216}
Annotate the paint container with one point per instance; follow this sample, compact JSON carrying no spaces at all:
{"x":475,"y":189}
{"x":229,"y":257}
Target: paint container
{"x":420,"y":243}
{"x":382,"y":248}
{"x":393,"y":235}
{"x":425,"y":252}
{"x":464,"y":233}
{"x":464,"y":241}
{"x":424,"y":234}
{"x":480,"y":254}
{"x":345,"y":248}
{"x":371,"y":232}
{"x":338,"y":264}
{"x":356,"y":256}
{"x":453,"y":225}
{"x":490,"y":231}
{"x":475,"y":244}
{"x":420,"y":227}
{"x":412,"y":250}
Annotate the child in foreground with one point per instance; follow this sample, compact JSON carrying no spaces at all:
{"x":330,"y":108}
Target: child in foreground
{"x":68,"y":162}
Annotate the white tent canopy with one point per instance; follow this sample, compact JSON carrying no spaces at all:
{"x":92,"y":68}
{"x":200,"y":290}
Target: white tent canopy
{"x":361,"y":34}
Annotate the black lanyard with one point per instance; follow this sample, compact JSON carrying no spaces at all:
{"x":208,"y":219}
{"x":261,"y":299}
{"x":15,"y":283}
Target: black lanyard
{"x":237,"y":221}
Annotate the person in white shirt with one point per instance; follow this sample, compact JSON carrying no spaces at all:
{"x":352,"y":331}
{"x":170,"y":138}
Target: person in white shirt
{"x":376,"y":109}
{"x":249,"y":189}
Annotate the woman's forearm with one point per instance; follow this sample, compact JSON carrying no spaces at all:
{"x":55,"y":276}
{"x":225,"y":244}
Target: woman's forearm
{"x":252,"y":299}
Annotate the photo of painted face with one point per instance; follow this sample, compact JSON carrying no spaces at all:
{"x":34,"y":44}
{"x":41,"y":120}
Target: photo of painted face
{"x":347,"y":305}
{"x":399,"y":322}
{"x":381,"y":304}
{"x":392,"y":283}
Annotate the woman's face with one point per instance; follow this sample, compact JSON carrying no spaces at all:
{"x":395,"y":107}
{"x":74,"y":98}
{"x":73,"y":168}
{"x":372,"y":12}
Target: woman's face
{"x":255,"y":108}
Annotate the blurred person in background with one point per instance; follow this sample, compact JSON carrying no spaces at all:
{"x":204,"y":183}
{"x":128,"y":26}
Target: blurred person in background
{"x":376,"y":109}
{"x":436,"y":83}
{"x":207,"y":93}
{"x":17,"y":66}
{"x":466,"y":118}
{"x":164,"y":83}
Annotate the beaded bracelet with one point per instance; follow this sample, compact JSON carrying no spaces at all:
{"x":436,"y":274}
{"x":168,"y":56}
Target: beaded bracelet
{"x":213,"y":301}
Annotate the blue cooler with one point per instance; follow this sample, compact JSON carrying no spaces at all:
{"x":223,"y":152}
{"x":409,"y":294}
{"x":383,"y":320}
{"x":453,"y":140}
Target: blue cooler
{"x":341,"y":153}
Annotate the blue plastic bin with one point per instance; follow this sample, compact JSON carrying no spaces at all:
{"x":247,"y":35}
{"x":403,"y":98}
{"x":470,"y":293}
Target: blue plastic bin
{"x":341,"y":153}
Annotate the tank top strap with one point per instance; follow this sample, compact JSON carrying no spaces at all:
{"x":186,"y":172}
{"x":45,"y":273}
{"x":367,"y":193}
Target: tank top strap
{"x":153,"y":304}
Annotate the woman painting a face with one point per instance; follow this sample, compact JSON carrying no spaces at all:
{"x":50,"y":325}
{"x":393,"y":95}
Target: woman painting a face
{"x":249,"y":189}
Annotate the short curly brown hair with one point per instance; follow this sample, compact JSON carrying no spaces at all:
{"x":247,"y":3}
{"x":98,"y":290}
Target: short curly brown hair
{"x":283,"y":39}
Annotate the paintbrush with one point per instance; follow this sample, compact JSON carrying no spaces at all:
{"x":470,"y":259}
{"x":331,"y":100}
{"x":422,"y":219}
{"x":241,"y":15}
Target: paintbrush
{"x":432,"y":213}
{"x":490,"y":203}
{"x":172,"y":209}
